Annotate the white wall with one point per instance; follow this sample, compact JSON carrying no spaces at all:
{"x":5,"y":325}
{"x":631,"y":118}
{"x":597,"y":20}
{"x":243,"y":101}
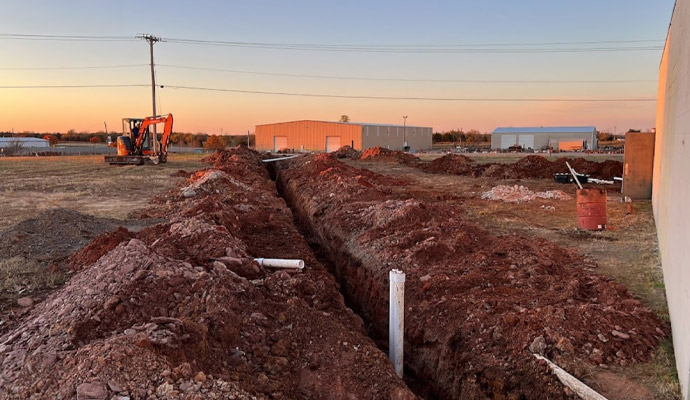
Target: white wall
{"x":671,"y":187}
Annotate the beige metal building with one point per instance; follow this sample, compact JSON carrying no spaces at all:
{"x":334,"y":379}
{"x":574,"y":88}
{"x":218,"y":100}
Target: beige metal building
{"x":556,"y":137}
{"x":309,"y":135}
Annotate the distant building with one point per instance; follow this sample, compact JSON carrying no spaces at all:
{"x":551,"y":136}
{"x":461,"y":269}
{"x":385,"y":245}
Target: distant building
{"x":23,"y":141}
{"x":309,"y":135}
{"x":555,"y":137}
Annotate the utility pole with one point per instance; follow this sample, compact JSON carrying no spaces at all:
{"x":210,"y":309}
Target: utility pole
{"x":404,"y":132}
{"x":152,"y":39}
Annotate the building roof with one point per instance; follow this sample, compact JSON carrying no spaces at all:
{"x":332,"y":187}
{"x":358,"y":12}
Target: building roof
{"x":547,"y":129}
{"x":346,"y":123}
{"x":21,"y":139}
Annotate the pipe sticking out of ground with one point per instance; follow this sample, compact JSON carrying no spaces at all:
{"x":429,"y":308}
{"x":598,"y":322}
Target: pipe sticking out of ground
{"x":585,"y":392}
{"x":396,"y":319}
{"x":280,"y":263}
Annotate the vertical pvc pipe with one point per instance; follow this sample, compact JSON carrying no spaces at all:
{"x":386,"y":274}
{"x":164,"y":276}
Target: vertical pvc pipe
{"x":396,"y":319}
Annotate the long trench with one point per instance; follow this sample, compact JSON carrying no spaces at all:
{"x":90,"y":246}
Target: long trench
{"x":335,"y":262}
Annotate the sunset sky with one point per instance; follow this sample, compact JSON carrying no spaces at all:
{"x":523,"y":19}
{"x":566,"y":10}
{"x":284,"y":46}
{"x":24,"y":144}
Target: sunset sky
{"x":429,"y":46}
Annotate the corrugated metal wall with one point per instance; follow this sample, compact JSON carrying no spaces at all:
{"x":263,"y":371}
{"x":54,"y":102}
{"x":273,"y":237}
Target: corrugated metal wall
{"x":308,"y":135}
{"x":391,"y":137}
{"x":543,"y":139}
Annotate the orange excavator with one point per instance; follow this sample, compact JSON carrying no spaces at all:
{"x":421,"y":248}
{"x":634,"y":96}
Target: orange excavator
{"x":138,"y":146}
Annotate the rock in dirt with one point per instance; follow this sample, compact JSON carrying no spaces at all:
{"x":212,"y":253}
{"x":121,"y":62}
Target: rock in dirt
{"x":91,"y":391}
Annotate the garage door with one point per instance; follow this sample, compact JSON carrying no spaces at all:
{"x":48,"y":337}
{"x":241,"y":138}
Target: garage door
{"x":332,"y":143}
{"x":569,"y":146}
{"x":508,"y":140}
{"x":526,"y":141}
{"x":279,"y":143}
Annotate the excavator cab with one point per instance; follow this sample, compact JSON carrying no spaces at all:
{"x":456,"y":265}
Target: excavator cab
{"x":139,"y":145}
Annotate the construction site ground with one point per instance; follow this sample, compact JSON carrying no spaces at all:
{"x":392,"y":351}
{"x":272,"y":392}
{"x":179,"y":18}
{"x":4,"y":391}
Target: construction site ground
{"x":627,"y":252}
{"x":165,"y":267}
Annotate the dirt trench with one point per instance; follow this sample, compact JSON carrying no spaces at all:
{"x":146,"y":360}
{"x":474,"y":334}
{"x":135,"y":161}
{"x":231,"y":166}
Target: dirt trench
{"x":181,"y":310}
{"x":477,"y":304}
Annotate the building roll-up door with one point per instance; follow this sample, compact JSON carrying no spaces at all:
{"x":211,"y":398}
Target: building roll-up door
{"x":508,"y":140}
{"x":526,"y":141}
{"x":332,"y":143}
{"x":279,"y":143}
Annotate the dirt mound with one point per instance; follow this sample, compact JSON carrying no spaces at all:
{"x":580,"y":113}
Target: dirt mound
{"x":347,"y":152}
{"x":382,"y":154}
{"x":98,"y":248}
{"x":53,"y":235}
{"x":182,"y":309}
{"x":529,"y":167}
{"x":455,"y":164}
{"x":478,"y":303}
{"x":222,"y":157}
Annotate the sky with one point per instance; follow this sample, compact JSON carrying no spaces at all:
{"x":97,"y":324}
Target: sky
{"x":426,"y":36}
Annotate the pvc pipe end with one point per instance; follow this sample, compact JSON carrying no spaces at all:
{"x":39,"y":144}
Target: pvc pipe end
{"x":395,"y":275}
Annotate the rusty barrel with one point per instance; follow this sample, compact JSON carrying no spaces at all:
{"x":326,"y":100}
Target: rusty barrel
{"x":591,"y":209}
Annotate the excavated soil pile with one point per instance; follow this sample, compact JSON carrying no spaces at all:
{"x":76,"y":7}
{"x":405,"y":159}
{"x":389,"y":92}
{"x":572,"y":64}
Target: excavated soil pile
{"x":182,"y":309}
{"x":382,"y":154}
{"x":53,"y":235}
{"x":347,"y":152}
{"x":527,"y":167}
{"x":476,"y":304}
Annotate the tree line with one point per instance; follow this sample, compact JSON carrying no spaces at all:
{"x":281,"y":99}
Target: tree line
{"x":459,"y":136}
{"x":210,"y":142}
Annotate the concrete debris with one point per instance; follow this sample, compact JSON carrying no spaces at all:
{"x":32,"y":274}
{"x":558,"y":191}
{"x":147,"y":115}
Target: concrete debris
{"x":519,"y":194}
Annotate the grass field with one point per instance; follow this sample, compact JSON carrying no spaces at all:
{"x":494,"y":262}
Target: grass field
{"x":83,"y":183}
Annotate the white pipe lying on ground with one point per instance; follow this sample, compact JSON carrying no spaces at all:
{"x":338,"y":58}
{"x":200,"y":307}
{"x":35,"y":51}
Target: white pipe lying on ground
{"x":396,"y":319}
{"x":280,"y":158}
{"x":280,"y":263}
{"x":585,"y":392}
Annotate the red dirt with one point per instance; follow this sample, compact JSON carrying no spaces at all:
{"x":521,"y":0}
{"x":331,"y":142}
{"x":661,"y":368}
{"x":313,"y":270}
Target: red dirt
{"x":183,"y":309}
{"x":347,"y":152}
{"x":532,"y":166}
{"x":476,"y":303}
{"x":382,"y":154}
{"x":100,"y":246}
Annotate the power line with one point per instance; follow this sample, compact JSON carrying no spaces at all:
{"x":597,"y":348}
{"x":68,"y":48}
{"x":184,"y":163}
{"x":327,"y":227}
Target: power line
{"x":399,"y":79}
{"x":409,"y":49}
{"x":409,"y":98}
{"x":72,"y":86}
{"x":72,"y":68}
{"x":332,"y":95}
{"x":75,"y":38}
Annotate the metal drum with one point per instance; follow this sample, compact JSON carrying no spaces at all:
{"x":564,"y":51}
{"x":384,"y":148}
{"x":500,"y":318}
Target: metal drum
{"x":591,"y":209}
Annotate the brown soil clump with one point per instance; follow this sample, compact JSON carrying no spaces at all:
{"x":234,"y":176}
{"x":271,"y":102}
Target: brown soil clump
{"x":347,"y":152}
{"x":478,"y":304}
{"x":98,"y":248}
{"x":382,"y":154}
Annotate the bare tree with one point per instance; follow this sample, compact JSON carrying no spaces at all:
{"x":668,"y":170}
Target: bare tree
{"x":14,"y":148}
{"x":344,"y":118}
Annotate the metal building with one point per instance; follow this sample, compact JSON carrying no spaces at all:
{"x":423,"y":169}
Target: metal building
{"x":309,"y":135}
{"x":554,"y":137}
{"x":23,"y":141}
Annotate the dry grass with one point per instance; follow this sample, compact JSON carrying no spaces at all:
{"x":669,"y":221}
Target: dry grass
{"x":83,"y":183}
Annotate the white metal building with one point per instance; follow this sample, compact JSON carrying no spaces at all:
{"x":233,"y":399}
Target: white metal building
{"x":23,"y":141}
{"x":555,"y":137}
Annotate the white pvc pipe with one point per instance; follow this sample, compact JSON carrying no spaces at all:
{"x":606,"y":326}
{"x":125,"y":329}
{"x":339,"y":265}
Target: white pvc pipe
{"x":585,"y":392}
{"x":396,"y":319}
{"x":280,"y":158}
{"x":280,"y":263}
